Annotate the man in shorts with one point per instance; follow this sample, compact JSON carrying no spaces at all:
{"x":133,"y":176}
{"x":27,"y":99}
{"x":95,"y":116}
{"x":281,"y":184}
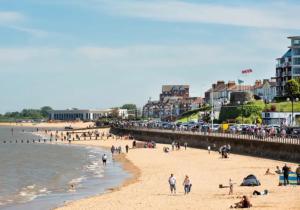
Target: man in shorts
{"x":104,"y":159}
{"x":172,"y":183}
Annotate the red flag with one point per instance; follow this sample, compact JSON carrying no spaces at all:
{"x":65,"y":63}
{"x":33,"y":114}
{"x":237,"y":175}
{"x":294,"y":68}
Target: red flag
{"x":247,"y":71}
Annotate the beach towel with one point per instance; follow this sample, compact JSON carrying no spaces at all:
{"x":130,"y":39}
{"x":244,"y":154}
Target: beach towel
{"x":292,"y":178}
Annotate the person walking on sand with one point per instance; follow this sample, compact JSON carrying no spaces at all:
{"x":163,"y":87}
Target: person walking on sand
{"x":187,"y":185}
{"x":173,"y":145}
{"x":104,"y":159}
{"x":185,"y":145}
{"x":127,"y":148}
{"x":286,"y":171}
{"x":208,"y":149}
{"x":134,"y":144}
{"x":230,"y":187}
{"x":172,"y":183}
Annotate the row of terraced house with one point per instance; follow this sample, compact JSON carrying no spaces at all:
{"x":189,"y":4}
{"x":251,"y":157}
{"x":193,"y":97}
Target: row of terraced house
{"x":175,"y":99}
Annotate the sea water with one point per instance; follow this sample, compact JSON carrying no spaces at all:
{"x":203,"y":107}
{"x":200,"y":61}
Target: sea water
{"x":45,"y":175}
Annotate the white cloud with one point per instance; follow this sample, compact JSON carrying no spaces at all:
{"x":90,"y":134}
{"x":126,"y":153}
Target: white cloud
{"x":32,"y":31}
{"x":100,"y":53}
{"x":13,"y":55}
{"x":10,"y":17}
{"x":16,"y":21}
{"x":138,"y":58}
{"x":270,"y":15}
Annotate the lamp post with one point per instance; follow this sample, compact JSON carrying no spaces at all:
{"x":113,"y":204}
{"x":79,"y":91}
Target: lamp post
{"x":212,"y":108}
{"x":292,"y":99}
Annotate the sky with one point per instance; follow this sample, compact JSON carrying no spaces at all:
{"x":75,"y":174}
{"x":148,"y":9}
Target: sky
{"x":105,"y":53}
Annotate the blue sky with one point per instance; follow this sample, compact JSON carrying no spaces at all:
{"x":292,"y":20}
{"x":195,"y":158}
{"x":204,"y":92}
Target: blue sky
{"x":104,"y":53}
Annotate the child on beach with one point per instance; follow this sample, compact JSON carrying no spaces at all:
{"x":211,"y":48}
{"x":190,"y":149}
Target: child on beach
{"x":268,"y":172}
{"x":278,"y":170}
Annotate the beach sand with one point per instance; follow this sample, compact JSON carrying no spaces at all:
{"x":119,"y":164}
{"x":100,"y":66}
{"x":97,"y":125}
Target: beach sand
{"x":151,"y":168}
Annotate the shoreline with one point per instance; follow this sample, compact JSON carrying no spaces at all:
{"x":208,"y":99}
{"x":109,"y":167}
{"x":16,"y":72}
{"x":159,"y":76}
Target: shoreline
{"x":126,"y":165}
{"x":123,"y":163}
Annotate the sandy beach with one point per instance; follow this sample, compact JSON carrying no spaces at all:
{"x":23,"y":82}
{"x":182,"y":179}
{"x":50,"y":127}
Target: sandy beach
{"x":151,"y":168}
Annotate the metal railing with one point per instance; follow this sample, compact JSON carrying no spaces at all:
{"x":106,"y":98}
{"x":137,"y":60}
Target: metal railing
{"x":239,"y":136}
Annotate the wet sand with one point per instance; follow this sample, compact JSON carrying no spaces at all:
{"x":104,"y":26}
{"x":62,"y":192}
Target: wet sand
{"x":78,"y":124}
{"x":148,"y":188}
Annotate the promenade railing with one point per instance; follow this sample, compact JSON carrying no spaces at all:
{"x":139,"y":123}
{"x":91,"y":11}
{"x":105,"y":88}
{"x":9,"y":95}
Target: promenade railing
{"x":288,"y":139}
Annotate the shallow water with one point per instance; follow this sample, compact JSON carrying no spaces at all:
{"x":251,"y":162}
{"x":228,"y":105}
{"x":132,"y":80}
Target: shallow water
{"x":44,"y":175}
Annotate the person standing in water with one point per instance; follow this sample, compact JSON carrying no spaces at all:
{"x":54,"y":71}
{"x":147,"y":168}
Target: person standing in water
{"x":112,"y":149}
{"x":104,"y":159}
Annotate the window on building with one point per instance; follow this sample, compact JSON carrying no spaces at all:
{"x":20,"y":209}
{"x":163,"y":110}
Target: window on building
{"x":296,"y":61}
{"x":296,"y":42}
{"x":296,"y":51}
{"x":296,"y":70}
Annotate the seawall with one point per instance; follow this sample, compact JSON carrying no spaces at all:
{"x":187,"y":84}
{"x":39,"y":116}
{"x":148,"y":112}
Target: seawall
{"x":266,"y":149}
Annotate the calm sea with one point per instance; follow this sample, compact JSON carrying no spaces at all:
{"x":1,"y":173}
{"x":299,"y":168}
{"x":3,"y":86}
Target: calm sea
{"x":41,"y":175}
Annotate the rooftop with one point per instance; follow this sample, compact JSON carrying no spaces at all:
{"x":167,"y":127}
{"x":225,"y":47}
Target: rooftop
{"x":174,"y":87}
{"x":294,"y":37}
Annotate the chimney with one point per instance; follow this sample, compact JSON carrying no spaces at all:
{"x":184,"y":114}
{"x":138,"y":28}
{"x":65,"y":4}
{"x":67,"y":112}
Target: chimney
{"x":258,"y":83}
{"x":231,"y":84}
{"x":221,"y":84}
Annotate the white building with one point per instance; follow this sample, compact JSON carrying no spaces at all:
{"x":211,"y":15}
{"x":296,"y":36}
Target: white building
{"x":266,"y":90}
{"x":78,"y":114}
{"x":280,"y":118}
{"x":123,"y":113}
{"x":288,"y":66}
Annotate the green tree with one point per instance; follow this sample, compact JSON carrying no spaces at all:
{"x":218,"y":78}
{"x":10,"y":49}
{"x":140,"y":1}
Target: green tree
{"x":292,"y":87}
{"x":45,"y":110}
{"x":129,"y":107}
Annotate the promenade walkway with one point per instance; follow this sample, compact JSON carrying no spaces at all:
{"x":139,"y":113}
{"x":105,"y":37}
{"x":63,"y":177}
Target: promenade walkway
{"x":245,"y":137}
